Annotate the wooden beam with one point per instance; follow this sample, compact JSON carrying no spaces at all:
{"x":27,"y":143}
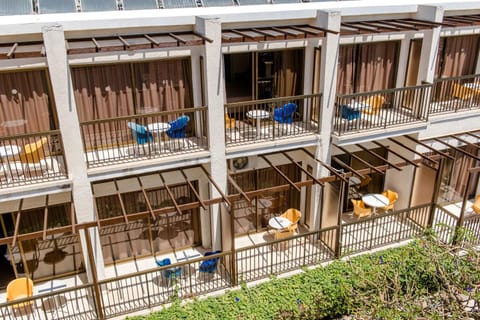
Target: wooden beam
{"x":322,"y":29}
{"x":72,"y":217}
{"x":330,"y":168}
{"x":45,"y":222}
{"x":303,"y":169}
{"x":443,"y":154}
{"x":346,"y":166}
{"x":236,"y":186}
{"x":125,"y":43}
{"x":122,"y":205}
{"x":465,"y":141}
{"x":285,"y":31}
{"x":458,"y":149}
{"x":170,"y":194}
{"x":11,"y":52}
{"x":396,"y":153}
{"x":17,"y":226}
{"x":155,"y":42}
{"x":281,"y":173}
{"x":360,"y":159}
{"x":174,"y":36}
{"x":97,"y":45}
{"x":413,"y":150}
{"x":243,"y":34}
{"x":379,"y":157}
{"x":224,"y":197}
{"x":145,"y":196}
{"x":193,"y":190}
{"x":203,"y":37}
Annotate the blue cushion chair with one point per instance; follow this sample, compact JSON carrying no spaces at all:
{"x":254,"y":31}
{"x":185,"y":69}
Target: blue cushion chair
{"x":170,"y":273}
{"x":178,"y":127}
{"x":349,"y":113}
{"x":140,"y":133}
{"x":285,"y":114}
{"x":210,"y":265}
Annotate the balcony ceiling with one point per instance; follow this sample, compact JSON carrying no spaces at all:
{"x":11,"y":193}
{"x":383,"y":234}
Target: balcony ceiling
{"x":464,"y":20}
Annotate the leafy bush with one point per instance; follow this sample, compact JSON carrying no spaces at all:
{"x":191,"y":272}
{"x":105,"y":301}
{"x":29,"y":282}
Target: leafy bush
{"x":423,"y":279}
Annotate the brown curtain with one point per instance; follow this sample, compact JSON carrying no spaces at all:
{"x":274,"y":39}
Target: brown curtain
{"x":103,"y":91}
{"x":287,"y":73}
{"x":460,"y":171}
{"x":27,"y":111}
{"x":163,"y":85}
{"x":414,"y":55}
{"x":376,"y":66}
{"x":346,"y":69}
{"x":457,"y":56}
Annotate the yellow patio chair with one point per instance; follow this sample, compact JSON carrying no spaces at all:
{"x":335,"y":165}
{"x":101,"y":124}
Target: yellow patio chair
{"x":392,"y":197}
{"x":229,"y":122}
{"x":461,"y":92}
{"x":33,"y":152}
{"x":359,"y":209}
{"x":294,"y":216}
{"x":476,"y":204}
{"x":375,"y":102}
{"x":18,"y":289}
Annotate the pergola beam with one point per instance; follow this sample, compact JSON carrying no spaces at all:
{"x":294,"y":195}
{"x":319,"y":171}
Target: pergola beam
{"x":170,"y":194}
{"x":328,"y":167}
{"x":396,"y":153}
{"x":413,"y":150}
{"x":373,"y":153}
{"x":346,"y":166}
{"x":120,"y":200}
{"x":236,"y":186}
{"x":224,"y":197}
{"x":457,"y":149}
{"x":360,"y":159}
{"x":193,"y":190}
{"x":284,"y":176}
{"x":303,"y":169}
{"x":45,"y":218}
{"x":145,"y":196}
{"x":443,"y":154}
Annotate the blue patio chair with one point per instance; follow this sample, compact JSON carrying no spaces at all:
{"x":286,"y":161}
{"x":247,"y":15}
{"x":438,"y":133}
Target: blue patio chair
{"x":178,"y":127}
{"x":170,"y":273}
{"x":140,"y":133}
{"x":210,"y":265}
{"x":349,"y":113}
{"x":285,"y":114}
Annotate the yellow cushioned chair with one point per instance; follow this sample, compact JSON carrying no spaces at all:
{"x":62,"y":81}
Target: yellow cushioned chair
{"x":375,"y":103}
{"x":392,"y":197}
{"x":359,"y":209}
{"x":18,"y":289}
{"x":33,"y":152}
{"x":294,"y":216}
{"x":229,"y":122}
{"x":476,"y":204}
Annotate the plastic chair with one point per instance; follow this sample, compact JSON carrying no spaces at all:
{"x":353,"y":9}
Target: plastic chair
{"x":18,"y":289}
{"x":178,"y":127}
{"x":294,"y":216}
{"x":33,"y":152}
{"x":476,"y":204}
{"x":392,"y":197}
{"x":171,"y":273}
{"x":229,"y":122}
{"x":140,"y":133}
{"x":350,"y":113}
{"x":285,"y":114}
{"x":375,"y":102}
{"x":359,"y":208}
{"x":209,"y":265}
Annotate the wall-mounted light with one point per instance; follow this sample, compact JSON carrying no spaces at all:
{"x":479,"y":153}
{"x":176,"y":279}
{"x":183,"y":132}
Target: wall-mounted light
{"x":15,"y":95}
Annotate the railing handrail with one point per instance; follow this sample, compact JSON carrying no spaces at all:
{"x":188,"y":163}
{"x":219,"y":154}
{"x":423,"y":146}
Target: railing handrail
{"x":157,"y":269}
{"x":302,"y":235}
{"x":437,"y":206}
{"x":385,"y":91}
{"x":143,"y":115}
{"x":270,"y":100}
{"x":47,"y":294}
{"x":393,"y":213}
{"x":28,"y":135}
{"x":469,"y":76}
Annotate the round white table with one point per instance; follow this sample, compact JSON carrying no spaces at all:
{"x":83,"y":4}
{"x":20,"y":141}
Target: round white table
{"x":9,"y":150}
{"x":375,"y":200}
{"x":158,"y":128}
{"x":258,"y":115}
{"x":279,"y":223}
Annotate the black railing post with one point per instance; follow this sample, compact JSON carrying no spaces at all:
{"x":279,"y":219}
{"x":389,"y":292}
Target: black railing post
{"x":96,"y":288}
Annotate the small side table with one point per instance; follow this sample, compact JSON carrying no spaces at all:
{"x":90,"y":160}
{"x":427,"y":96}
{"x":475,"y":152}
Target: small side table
{"x":258,"y":115}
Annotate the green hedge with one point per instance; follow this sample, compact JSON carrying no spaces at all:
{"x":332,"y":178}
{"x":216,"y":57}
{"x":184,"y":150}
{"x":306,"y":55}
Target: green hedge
{"x":400,"y":283}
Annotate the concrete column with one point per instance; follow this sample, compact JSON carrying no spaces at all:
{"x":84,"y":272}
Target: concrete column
{"x":329,"y":20}
{"x":214,"y":92}
{"x":54,"y":40}
{"x":431,"y":39}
